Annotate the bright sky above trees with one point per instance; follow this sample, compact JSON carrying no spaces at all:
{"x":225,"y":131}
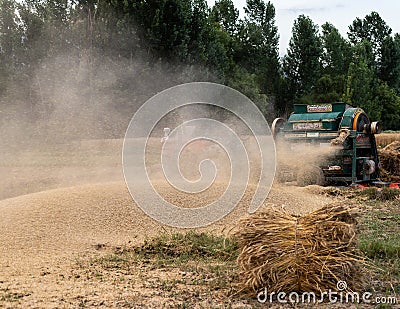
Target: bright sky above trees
{"x":338,"y":12}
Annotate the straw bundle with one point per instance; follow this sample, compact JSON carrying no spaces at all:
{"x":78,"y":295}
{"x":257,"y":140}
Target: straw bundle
{"x":285,"y":253}
{"x":389,"y":158}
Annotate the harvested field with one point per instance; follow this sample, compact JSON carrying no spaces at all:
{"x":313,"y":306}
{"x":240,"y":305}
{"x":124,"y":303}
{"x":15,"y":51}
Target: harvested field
{"x":69,"y":204}
{"x":68,"y":225}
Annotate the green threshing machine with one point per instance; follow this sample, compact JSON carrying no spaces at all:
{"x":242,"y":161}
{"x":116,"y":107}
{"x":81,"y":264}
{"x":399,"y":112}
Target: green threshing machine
{"x":345,"y":129}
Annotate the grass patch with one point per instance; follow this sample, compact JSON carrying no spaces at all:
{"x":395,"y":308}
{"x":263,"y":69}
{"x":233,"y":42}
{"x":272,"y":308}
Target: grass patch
{"x":386,"y":194}
{"x":172,"y":250}
{"x":175,"y":250}
{"x":189,"y":246}
{"x":12,"y":297}
{"x":381,"y":248}
{"x":212,"y":257}
{"x":379,"y":240}
{"x":380,"y":234}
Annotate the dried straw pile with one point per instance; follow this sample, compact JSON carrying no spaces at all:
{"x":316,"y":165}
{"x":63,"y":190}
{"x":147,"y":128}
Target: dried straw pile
{"x":284,"y":253}
{"x":389,"y":158}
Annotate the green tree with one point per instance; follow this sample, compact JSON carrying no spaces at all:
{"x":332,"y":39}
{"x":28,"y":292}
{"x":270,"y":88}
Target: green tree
{"x":373,"y":29}
{"x":328,"y":89}
{"x":258,"y":45}
{"x":11,"y":34}
{"x":360,"y":82}
{"x":216,"y":51}
{"x":301,"y":65}
{"x":226,"y":15}
{"x":208,"y":43}
{"x":13,"y":45}
{"x":389,"y":64}
{"x":336,"y":58}
{"x":247,"y":84}
{"x":337,"y":52}
{"x":386,"y":98}
{"x":165,"y":25}
{"x":259,"y":37}
{"x":7,"y":40}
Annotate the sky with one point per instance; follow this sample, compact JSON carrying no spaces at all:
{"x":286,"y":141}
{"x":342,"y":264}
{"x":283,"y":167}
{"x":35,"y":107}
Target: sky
{"x":340,"y":13}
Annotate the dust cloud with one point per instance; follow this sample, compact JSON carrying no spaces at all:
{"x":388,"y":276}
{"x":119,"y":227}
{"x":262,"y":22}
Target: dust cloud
{"x":65,"y":127}
{"x":294,"y":157}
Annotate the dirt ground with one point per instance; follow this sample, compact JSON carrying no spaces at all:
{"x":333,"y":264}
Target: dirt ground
{"x":60,"y":205}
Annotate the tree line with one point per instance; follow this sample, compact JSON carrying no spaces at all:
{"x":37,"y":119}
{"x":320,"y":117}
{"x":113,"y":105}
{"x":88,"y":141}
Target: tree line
{"x":320,"y":65}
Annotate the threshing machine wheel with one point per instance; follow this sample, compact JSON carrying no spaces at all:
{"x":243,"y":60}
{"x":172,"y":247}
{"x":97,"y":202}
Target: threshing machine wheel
{"x":277,"y":125}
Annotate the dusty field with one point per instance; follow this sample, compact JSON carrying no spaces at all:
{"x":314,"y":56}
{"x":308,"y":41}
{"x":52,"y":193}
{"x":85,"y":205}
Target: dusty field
{"x":64,"y":205}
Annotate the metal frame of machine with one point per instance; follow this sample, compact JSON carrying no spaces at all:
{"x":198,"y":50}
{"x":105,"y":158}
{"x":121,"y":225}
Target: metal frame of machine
{"x":338,"y":125}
